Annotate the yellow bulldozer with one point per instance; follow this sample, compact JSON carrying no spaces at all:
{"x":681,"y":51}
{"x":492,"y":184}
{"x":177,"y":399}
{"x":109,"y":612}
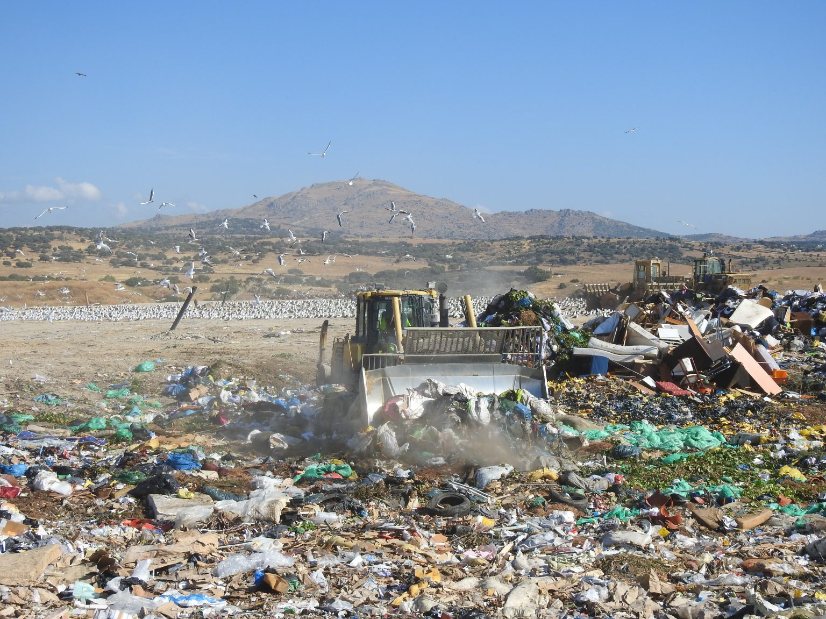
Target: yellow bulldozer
{"x":710,"y":275}
{"x":402,"y":338}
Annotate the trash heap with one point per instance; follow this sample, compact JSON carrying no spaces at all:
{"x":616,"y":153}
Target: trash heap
{"x":632,"y":490}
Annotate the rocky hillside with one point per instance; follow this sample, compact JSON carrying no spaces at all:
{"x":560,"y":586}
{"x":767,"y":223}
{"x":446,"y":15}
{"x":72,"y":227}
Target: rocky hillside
{"x":313,"y":209}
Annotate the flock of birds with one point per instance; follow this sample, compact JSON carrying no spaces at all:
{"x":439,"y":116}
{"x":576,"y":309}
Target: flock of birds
{"x":258,"y":309}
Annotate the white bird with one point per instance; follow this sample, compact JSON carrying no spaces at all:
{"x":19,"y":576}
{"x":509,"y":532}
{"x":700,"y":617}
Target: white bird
{"x":330,"y":260}
{"x":119,"y":286}
{"x":281,"y":260}
{"x":192,"y":238}
{"x":392,"y":217}
{"x":268,"y":271}
{"x":165,"y":283}
{"x":686,"y":224}
{"x":412,"y":227}
{"x":224,"y":224}
{"x":408,"y":217}
{"x":151,"y":197}
{"x":353,"y":179}
{"x":265,"y":225}
{"x":50,"y":209}
{"x":478,"y":215}
{"x":293,"y":238}
{"x":301,"y":251}
{"x":175,"y":289}
{"x":234,"y":251}
{"x":20,"y":251}
{"x":631,"y":130}
{"x":324,"y":235}
{"x":338,"y":217}
{"x":191,"y":271}
{"x":300,"y":260}
{"x":323,"y":153}
{"x":101,"y":246}
{"x":257,"y":299}
{"x":177,"y":249}
{"x":166,"y":205}
{"x":131,"y":253}
{"x":392,"y":207}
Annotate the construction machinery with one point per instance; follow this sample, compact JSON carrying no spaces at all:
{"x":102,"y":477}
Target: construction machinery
{"x":710,"y":275}
{"x":402,"y":339}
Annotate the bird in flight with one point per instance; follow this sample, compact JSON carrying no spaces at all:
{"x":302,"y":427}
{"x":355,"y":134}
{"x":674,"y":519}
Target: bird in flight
{"x":340,"y":220}
{"x":79,"y":74}
{"x":353,"y":179}
{"x":165,"y":205}
{"x":191,"y":271}
{"x":392,"y":207}
{"x":255,"y":196}
{"x":324,"y":235}
{"x":686,"y":224}
{"x":632,"y":130}
{"x":281,"y":260}
{"x":224,"y":224}
{"x":192,"y":238}
{"x":478,"y":215}
{"x":151,"y":197}
{"x":293,"y":238}
{"x":265,"y":225}
{"x":101,"y":246}
{"x":50,"y":209}
{"x":330,"y":260}
{"x":323,"y":153}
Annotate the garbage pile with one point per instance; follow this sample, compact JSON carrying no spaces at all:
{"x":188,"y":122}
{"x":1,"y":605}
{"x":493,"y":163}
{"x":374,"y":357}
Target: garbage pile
{"x":648,"y":488}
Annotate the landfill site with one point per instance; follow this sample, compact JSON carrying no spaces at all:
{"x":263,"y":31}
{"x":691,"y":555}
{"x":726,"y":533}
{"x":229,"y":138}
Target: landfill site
{"x":652,"y":452}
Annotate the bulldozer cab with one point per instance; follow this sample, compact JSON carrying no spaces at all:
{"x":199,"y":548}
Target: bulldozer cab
{"x":379,"y":313}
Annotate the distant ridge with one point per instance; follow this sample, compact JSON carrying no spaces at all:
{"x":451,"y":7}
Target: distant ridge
{"x":313,"y":209}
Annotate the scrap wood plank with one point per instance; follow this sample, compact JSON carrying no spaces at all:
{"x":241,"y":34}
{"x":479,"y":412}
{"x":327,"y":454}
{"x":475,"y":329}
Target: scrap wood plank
{"x":754,"y":370}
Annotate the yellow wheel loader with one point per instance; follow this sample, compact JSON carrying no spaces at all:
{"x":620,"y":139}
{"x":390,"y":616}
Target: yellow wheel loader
{"x":402,"y":339}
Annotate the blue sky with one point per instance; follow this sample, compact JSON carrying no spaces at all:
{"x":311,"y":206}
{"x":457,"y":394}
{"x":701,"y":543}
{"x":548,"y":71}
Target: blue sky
{"x":503,"y":106}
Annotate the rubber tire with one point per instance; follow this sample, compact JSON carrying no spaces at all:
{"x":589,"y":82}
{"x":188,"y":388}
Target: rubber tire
{"x":558,"y":495}
{"x":450,"y":504}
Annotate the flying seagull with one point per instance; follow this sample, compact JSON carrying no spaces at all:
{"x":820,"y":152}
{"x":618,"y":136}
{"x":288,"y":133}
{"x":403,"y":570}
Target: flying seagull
{"x":632,"y":130}
{"x":293,"y":238}
{"x":323,"y":153}
{"x":224,"y":224}
{"x":330,"y":259}
{"x":324,"y":235}
{"x":192,"y":238}
{"x":191,"y":271}
{"x":338,"y":217}
{"x":353,"y":179}
{"x":686,"y":224}
{"x":50,"y":209}
{"x":392,"y":207}
{"x":281,"y":260}
{"x":478,"y":215}
{"x":165,"y":204}
{"x":255,"y":196}
{"x":265,"y":225}
{"x":79,"y":74}
{"x":101,"y":246}
{"x":151,"y":197}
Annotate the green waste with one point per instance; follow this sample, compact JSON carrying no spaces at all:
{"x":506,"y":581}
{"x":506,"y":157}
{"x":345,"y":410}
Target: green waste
{"x":95,"y":423}
{"x":645,"y":435}
{"x":12,"y":422}
{"x":93,"y":387}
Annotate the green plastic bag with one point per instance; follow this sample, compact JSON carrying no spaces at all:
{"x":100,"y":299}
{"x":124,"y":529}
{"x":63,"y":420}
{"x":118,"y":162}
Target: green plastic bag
{"x":118,"y":394}
{"x":146,"y":366}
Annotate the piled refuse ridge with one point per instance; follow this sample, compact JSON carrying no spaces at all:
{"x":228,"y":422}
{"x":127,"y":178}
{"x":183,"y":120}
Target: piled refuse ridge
{"x":672,"y":464}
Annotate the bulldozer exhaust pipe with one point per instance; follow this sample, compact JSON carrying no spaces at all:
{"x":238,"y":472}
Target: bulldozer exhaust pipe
{"x":443,"y":313}
{"x":470,"y":316}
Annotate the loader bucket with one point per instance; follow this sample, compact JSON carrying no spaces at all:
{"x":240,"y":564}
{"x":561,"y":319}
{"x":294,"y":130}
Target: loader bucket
{"x":380,"y":384}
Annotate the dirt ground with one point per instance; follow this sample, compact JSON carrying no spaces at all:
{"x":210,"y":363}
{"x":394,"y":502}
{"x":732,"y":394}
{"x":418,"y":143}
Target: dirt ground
{"x":71,"y":354}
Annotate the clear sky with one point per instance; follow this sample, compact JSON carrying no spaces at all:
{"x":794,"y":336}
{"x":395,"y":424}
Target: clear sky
{"x":503,"y":106}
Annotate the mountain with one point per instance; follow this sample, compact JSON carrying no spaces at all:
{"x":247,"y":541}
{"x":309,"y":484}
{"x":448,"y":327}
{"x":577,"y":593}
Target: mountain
{"x":312,"y":209}
{"x":716,"y":237}
{"x":818,"y":236}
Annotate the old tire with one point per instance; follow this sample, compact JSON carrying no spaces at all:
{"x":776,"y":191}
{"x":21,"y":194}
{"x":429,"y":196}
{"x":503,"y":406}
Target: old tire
{"x":450,"y":504}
